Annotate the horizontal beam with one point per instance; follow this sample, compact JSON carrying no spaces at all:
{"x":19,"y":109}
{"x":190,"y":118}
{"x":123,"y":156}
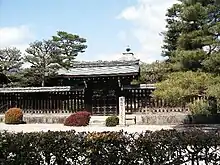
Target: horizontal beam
{"x":140,"y":86}
{"x":39,"y":89}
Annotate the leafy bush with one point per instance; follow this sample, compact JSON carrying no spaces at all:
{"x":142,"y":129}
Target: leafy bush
{"x":180,"y":85}
{"x":112,"y":121}
{"x":202,"y":113}
{"x":200,"y":107}
{"x":80,"y":118}
{"x":166,"y":147}
{"x":14,"y":116}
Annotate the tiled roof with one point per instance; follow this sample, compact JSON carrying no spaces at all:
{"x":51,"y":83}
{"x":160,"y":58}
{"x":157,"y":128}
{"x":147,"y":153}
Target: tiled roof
{"x":102,"y":68}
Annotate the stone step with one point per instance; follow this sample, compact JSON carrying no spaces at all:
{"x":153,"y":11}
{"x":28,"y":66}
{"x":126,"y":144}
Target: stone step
{"x":95,"y":121}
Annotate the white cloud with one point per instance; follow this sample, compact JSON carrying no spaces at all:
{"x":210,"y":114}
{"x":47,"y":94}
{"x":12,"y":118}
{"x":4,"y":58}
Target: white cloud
{"x":18,"y":36}
{"x":148,"y":20}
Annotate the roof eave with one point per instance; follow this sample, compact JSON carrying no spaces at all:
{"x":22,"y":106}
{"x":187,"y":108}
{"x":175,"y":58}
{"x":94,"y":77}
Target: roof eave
{"x":100,"y":75}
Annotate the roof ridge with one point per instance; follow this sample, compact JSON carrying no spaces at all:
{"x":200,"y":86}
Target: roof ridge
{"x":100,"y":63}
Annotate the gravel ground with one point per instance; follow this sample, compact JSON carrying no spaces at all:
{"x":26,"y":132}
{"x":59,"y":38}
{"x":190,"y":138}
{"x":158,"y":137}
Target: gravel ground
{"x":61,"y":127}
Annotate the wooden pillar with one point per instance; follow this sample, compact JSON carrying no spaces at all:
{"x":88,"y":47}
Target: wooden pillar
{"x":88,"y":97}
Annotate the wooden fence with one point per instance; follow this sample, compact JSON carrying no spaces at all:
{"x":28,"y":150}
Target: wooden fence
{"x":43,"y":100}
{"x":67,"y":100}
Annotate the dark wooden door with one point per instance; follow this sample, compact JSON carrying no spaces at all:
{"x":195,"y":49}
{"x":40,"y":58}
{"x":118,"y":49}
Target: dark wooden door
{"x":104,"y":102}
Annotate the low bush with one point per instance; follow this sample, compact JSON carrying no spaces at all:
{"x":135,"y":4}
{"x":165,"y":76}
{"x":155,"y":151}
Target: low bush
{"x":80,"y":118}
{"x":167,"y":147}
{"x":200,"y":107}
{"x":202,"y":113}
{"x":14,"y":116}
{"x":112,"y":121}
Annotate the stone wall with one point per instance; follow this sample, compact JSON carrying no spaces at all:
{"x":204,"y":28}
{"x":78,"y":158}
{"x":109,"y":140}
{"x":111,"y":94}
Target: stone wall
{"x":42,"y":118}
{"x":162,"y":118}
{"x":142,"y":118}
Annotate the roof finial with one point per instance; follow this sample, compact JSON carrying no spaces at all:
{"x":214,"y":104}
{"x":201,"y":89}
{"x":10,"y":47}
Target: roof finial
{"x":128,"y":49}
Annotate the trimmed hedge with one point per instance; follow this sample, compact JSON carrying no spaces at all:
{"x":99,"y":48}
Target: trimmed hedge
{"x":80,"y":118}
{"x":203,"y":119}
{"x":168,"y":147}
{"x":14,"y":116}
{"x":112,"y":121}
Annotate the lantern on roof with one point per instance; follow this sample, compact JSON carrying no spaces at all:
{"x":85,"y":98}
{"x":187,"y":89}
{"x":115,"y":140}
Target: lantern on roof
{"x":128,"y":55}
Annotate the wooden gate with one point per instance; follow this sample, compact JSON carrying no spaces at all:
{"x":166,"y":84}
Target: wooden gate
{"x":104,"y":102}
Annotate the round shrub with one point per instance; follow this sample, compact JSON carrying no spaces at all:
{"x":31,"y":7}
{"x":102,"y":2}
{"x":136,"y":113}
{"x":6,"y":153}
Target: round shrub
{"x":112,"y":121}
{"x":80,"y":118}
{"x":14,"y":116}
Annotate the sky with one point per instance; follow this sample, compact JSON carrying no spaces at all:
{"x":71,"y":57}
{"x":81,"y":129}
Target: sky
{"x":108,"y":25}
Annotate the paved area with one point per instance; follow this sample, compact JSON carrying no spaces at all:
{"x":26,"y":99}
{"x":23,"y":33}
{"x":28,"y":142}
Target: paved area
{"x":61,"y":127}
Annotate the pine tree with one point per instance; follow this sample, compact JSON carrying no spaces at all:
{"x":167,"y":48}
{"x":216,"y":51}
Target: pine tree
{"x":10,"y":65}
{"x":192,"y":40}
{"x":44,"y":59}
{"x":70,"y":46}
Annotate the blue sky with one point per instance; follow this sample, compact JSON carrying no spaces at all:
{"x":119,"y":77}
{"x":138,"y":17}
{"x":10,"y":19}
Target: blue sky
{"x":108,"y":25}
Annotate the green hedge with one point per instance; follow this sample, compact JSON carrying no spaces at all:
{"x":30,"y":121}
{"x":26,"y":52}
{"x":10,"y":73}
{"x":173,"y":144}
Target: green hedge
{"x":203,"y":119}
{"x":112,"y":121}
{"x":169,"y":147}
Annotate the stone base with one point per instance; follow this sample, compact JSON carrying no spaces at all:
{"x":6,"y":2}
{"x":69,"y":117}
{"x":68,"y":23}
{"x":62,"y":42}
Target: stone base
{"x":142,"y":119}
{"x":42,"y":118}
{"x":163,"y":118}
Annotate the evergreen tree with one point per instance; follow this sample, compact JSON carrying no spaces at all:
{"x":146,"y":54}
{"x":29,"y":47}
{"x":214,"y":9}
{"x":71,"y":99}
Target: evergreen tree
{"x":10,"y":64}
{"x":192,"y":39}
{"x":44,"y":59}
{"x":69,"y":46}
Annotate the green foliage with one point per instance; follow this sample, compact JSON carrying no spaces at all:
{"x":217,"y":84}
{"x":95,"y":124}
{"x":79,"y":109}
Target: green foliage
{"x":192,"y":45}
{"x":110,"y":148}
{"x":214,"y":88}
{"x":212,"y":63}
{"x":192,"y":38}
{"x":173,"y":30}
{"x":112,"y":121}
{"x":10,"y":60}
{"x":69,"y":46}
{"x":10,"y":64}
{"x":30,"y":78}
{"x":44,"y":60}
{"x":180,"y":85}
{"x":154,"y":72}
{"x":188,"y":60}
{"x":200,"y":107}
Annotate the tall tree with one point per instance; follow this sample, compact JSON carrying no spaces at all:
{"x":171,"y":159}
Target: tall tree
{"x":173,"y":27}
{"x":43,"y":57}
{"x":10,"y":64}
{"x":193,"y":34}
{"x":70,"y":46}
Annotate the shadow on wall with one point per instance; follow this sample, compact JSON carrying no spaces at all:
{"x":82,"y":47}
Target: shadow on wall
{"x":204,"y":122}
{"x":203,"y":119}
